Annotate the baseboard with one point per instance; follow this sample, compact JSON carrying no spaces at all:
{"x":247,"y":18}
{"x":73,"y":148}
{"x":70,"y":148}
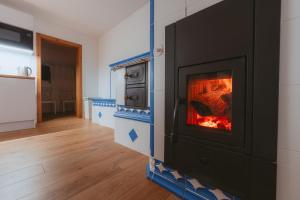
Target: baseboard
{"x":181,"y":185}
{"x":14,"y":126}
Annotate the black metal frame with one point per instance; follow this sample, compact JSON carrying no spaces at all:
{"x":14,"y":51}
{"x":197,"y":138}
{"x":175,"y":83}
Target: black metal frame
{"x":236,"y":138}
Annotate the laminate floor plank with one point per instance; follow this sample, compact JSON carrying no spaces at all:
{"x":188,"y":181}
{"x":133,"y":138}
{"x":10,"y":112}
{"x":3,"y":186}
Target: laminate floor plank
{"x":71,"y":158}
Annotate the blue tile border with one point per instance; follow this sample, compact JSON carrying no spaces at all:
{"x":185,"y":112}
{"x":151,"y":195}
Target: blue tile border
{"x":103,"y":102}
{"x":152,"y":78}
{"x":133,"y":114}
{"x":131,"y":61}
{"x":110,"y":84}
{"x":184,"y":186}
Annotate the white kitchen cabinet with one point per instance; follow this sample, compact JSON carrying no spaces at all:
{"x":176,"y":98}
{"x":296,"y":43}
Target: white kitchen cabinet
{"x":17,"y":103}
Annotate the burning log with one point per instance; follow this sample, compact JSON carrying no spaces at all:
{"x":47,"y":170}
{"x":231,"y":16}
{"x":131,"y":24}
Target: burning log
{"x":201,"y":108}
{"x":213,"y":103}
{"x":210,"y":103}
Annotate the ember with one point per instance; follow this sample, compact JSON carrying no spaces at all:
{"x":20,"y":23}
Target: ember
{"x":210,"y":99}
{"x":214,"y":122}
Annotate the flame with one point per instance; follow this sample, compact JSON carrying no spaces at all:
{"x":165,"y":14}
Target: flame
{"x":210,"y":93}
{"x":214,"y":122}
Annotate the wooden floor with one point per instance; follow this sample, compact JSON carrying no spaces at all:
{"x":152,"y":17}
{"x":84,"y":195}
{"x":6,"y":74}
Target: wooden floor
{"x":72,"y":159}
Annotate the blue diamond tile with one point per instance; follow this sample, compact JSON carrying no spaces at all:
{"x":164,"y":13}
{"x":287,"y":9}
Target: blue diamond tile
{"x":133,"y":136}
{"x":99,"y":115}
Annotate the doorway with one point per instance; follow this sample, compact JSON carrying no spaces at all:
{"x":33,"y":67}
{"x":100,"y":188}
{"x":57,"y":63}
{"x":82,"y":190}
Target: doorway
{"x":59,"y":78}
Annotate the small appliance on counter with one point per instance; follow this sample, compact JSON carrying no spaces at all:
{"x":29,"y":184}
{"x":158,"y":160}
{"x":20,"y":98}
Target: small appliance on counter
{"x":25,"y":71}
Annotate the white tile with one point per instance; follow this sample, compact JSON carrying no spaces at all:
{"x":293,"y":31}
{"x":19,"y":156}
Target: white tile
{"x":159,"y":60}
{"x":288,"y":119}
{"x":159,"y":64}
{"x":159,"y":141}
{"x":159,"y":107}
{"x":142,"y":143}
{"x":288,"y":177}
{"x":107,"y":118}
{"x":164,"y":8}
{"x":288,"y":157}
{"x":289,"y":52}
{"x":148,"y":84}
{"x":118,"y":86}
{"x":290,"y":9}
{"x":159,"y":36}
{"x":95,"y":112}
{"x":159,"y":73}
{"x":166,"y":20}
{"x":120,"y":96}
{"x":194,"y":6}
{"x":159,"y":126}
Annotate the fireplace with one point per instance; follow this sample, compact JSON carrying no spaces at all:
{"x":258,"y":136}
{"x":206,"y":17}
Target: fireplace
{"x":222,"y":67}
{"x":210,"y":96}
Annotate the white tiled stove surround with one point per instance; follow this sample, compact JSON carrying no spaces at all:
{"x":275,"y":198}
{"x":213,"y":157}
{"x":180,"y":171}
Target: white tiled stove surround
{"x":141,"y":144}
{"x":105,"y":118}
{"x":288,"y":176}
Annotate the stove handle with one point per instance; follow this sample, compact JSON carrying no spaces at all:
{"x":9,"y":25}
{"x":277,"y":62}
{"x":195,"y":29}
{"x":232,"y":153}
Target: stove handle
{"x":173,"y":139}
{"x":133,"y":75}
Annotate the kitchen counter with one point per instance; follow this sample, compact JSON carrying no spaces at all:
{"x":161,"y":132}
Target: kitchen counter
{"x":16,"y":76}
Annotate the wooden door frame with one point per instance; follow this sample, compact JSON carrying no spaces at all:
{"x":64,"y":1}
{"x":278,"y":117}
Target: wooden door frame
{"x":41,"y":37}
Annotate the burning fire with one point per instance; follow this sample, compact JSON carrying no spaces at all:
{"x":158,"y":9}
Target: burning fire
{"x":210,"y":102}
{"x":214,"y":122}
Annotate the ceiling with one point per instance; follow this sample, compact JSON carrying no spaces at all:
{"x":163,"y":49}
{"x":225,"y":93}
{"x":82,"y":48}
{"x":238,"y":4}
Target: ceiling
{"x":91,"y":17}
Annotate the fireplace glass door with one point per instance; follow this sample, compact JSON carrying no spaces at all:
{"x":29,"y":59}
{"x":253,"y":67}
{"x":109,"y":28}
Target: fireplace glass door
{"x":209,"y":101}
{"x":212,"y":101}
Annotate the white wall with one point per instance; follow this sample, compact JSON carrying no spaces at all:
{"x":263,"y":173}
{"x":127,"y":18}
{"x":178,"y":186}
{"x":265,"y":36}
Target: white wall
{"x":10,"y":61}
{"x":288,"y":177}
{"x":89,"y":51}
{"x":129,"y":38}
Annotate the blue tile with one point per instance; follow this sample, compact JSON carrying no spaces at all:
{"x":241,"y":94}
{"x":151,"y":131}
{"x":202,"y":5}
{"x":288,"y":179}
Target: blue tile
{"x":133,"y":114}
{"x":103,"y":102}
{"x":99,"y":115}
{"x":133,"y":136}
{"x":182,"y":186}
